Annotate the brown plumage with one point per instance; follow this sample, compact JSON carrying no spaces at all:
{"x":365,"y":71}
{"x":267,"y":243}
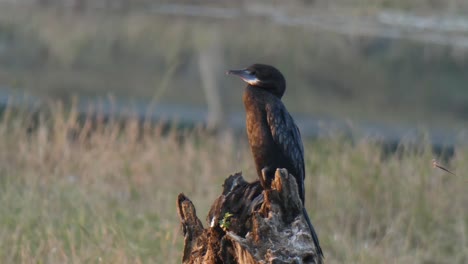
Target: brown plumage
{"x":273,"y":136}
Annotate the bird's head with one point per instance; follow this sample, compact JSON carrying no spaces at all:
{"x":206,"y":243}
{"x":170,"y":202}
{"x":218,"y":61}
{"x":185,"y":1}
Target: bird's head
{"x":264,"y":77}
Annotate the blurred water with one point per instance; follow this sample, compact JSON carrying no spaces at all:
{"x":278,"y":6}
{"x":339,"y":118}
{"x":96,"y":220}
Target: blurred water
{"x":379,"y":66}
{"x":185,"y":116}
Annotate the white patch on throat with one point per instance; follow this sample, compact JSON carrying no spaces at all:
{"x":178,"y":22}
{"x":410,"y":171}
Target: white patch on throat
{"x":252,"y":81}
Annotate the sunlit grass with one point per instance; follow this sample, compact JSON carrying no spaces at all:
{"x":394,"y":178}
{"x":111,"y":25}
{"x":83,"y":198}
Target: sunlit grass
{"x":108,"y":194}
{"x":72,"y":195}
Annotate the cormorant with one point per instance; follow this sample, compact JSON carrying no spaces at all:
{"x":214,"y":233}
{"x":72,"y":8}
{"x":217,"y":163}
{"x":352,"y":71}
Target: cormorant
{"x":273,"y":136}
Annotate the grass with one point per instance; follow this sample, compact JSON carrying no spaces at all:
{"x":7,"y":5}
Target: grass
{"x":109,"y":195}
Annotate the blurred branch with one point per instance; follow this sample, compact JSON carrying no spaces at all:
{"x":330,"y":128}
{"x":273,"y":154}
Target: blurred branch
{"x":172,"y":62}
{"x":163,"y":84}
{"x":210,"y":61}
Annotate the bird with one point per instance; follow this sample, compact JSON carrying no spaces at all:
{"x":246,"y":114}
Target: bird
{"x":274,"y":138}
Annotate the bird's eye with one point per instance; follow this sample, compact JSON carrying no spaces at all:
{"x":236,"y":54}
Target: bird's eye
{"x":253,"y":72}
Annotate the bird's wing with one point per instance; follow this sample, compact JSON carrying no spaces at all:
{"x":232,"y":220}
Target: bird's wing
{"x":287,"y":136}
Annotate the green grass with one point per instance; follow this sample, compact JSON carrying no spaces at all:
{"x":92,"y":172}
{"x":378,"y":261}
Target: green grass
{"x":110,"y":195}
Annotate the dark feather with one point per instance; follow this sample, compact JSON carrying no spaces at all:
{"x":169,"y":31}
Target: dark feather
{"x":274,"y":138}
{"x":288,"y":138}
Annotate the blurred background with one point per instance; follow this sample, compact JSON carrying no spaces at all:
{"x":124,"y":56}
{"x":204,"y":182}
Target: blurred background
{"x":381,"y":64}
{"x":384,"y":73}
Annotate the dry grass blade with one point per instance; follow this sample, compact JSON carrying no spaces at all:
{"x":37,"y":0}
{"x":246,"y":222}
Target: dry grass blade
{"x":435,"y":164}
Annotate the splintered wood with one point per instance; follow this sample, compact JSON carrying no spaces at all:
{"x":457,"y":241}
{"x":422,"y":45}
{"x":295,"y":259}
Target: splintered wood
{"x":249,"y":224}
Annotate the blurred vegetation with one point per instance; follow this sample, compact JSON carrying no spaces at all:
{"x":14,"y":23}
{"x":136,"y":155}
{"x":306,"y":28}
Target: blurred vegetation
{"x":138,"y":54}
{"x":53,"y":52}
{"x":75,"y":193}
{"x":70,"y":193}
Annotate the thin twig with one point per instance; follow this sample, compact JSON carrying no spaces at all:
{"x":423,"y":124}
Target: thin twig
{"x":435,"y":164}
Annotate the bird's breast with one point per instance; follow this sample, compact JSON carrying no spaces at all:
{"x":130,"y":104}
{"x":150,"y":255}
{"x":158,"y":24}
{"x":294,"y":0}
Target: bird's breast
{"x":258,"y":130}
{"x":260,"y":138}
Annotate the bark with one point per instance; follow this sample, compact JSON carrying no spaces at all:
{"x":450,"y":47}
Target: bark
{"x":249,"y":223}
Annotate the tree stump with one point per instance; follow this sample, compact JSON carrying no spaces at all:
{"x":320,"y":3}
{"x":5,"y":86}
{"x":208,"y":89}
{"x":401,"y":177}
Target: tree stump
{"x":249,"y":223}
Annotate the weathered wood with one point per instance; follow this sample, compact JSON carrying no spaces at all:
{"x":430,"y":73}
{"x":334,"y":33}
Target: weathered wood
{"x":249,"y":224}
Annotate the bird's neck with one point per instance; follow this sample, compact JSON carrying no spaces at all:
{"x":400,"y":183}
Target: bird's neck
{"x":255,"y":97}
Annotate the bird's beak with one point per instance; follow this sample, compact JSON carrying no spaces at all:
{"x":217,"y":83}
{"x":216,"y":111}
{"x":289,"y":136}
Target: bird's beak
{"x":245,"y":75}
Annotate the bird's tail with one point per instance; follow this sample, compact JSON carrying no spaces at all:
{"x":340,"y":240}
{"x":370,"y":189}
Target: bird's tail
{"x":312,"y":230}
